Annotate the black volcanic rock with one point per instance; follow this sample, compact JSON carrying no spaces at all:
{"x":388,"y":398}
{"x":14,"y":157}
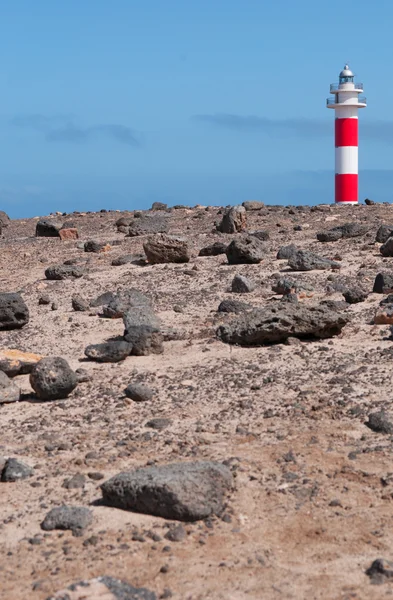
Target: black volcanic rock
{"x":245,"y":250}
{"x":52,"y":378}
{"x":14,"y":313}
{"x":47,"y":228}
{"x":58,"y":272}
{"x":275,"y":324}
{"x":186,"y":491}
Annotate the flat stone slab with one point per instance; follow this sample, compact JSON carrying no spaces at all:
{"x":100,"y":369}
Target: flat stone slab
{"x":183,"y":491}
{"x":16,"y":362}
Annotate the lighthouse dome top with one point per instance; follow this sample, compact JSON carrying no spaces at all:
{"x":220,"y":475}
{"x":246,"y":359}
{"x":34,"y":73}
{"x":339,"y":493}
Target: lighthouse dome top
{"x":346,"y":72}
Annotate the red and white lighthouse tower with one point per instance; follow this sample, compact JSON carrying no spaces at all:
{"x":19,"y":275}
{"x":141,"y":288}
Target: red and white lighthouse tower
{"x":346,"y":102}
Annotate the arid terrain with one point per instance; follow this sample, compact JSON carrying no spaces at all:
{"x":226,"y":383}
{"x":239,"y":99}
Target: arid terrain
{"x":312,"y":502}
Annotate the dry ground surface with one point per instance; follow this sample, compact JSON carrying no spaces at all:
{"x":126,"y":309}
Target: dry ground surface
{"x":313,"y":500}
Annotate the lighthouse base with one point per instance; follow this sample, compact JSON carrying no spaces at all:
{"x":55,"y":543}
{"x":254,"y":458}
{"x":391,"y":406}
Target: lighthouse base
{"x":346,"y":185}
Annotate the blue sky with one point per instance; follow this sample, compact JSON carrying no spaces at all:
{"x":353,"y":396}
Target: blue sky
{"x":120,"y":104}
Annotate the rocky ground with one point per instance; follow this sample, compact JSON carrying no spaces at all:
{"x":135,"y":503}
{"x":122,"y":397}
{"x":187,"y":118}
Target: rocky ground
{"x":278,"y":399}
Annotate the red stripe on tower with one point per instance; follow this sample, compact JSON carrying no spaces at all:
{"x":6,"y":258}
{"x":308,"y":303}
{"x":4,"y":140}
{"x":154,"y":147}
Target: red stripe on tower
{"x":346,"y":102}
{"x":346,"y":187}
{"x":346,"y":132}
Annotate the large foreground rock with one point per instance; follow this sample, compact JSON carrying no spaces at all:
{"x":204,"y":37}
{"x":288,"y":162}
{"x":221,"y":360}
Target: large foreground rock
{"x":103,"y":588}
{"x":245,"y":250}
{"x":143,"y":331}
{"x":164,"y":248}
{"x":182,"y":491}
{"x":148,"y":225}
{"x":303,"y":260}
{"x":14,"y":313}
{"x":277,"y":323}
{"x":234,"y":220}
{"x":53,"y":379}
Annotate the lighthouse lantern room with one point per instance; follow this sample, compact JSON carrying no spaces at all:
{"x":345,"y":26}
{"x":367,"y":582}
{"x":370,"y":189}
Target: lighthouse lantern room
{"x":346,"y":101}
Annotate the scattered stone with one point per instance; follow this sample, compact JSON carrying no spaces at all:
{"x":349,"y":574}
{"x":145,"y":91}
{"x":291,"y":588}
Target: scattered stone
{"x":303,"y":260}
{"x":75,"y":518}
{"x":234,"y":220}
{"x":52,"y":378}
{"x":103,"y":299}
{"x":123,"y":222}
{"x":15,"y":362}
{"x":105,"y":588}
{"x":387,"y":248}
{"x":369,"y":202}
{"x":76,"y":482}
{"x":285,"y":252}
{"x":126,"y":259}
{"x":47,"y":228}
{"x":95,"y":475}
{"x":260,"y":234}
{"x":159,"y":423}
{"x":96,"y":247}
{"x":176,"y":533}
{"x":54,"y":306}
{"x":14,"y":313}
{"x":291,"y":297}
{"x":380,"y":422}
{"x":109,"y":352}
{"x":275,"y":324}
{"x":354,"y":295}
{"x":380,"y":571}
{"x":242,"y":285}
{"x":15,"y":470}
{"x":82,"y":376}
{"x":143,"y":331}
{"x":383,"y":234}
{"x":138,"y":392}
{"x":253,"y":205}
{"x":44,"y":300}
{"x":348,"y":230}
{"x":159,"y":206}
{"x":9,"y":392}
{"x":214,"y":249}
{"x":384,"y":315}
{"x":149,"y":225}
{"x":68,"y":234}
{"x":286,"y":286}
{"x":58,"y":272}
{"x":124,"y":301}
{"x":79,"y":304}
{"x":233,"y":306}
{"x":181,"y":491}
{"x":163,"y":248}
{"x":245,"y":250}
{"x":383,"y":283}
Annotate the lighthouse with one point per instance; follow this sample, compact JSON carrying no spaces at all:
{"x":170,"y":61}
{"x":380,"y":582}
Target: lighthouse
{"x":346,"y":101}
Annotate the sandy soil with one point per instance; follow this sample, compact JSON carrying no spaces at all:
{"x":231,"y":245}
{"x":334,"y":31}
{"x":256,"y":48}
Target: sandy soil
{"x":313,"y":503}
